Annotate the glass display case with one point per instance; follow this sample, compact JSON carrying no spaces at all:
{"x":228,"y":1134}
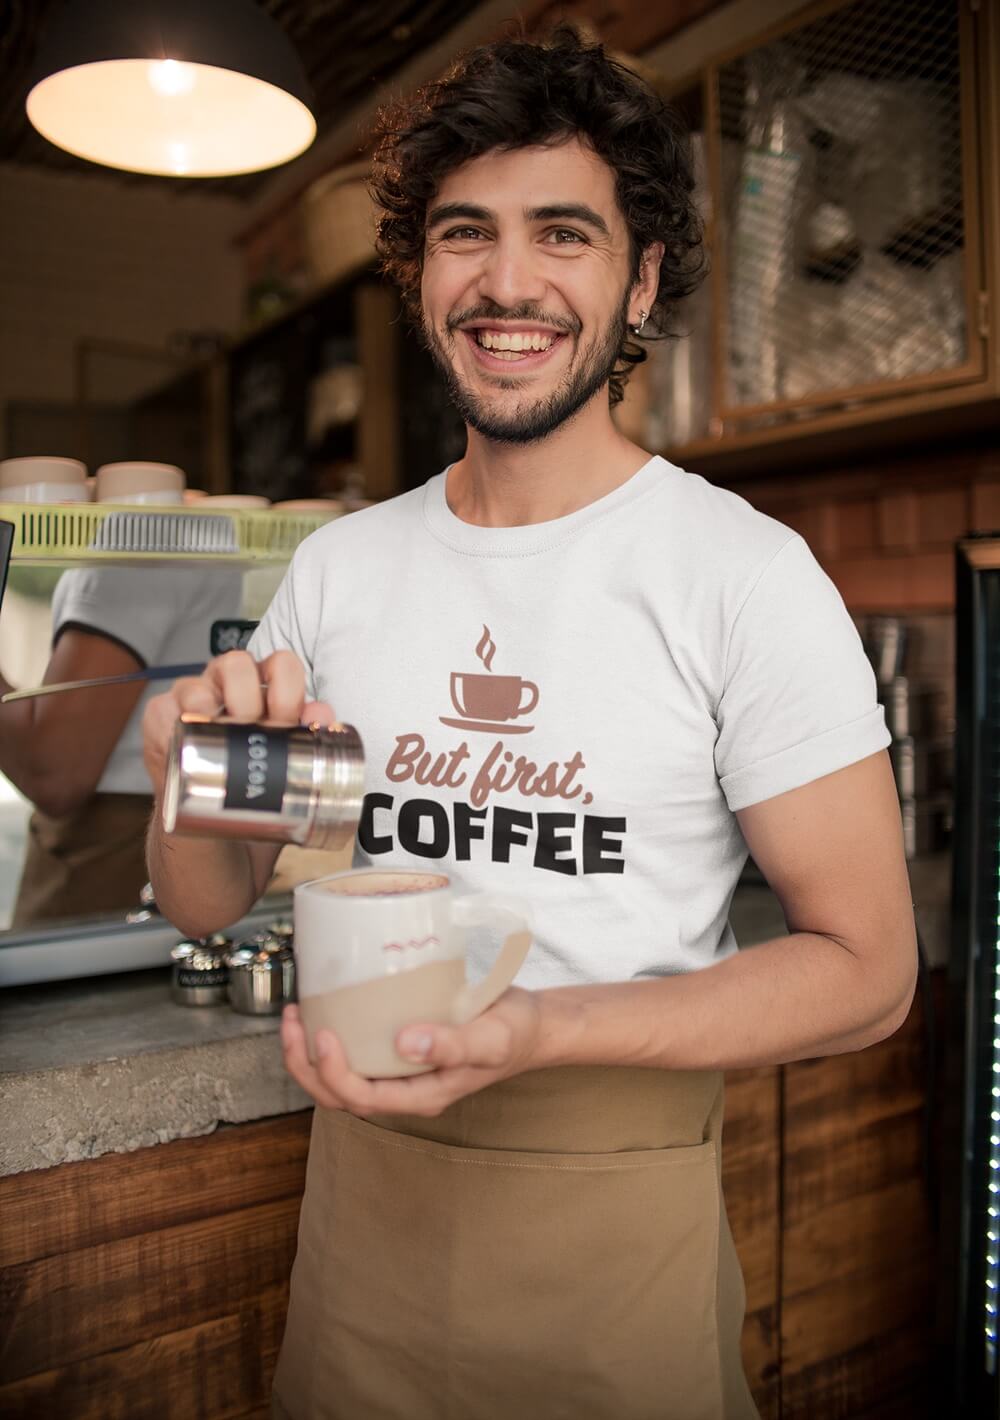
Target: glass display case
{"x":848,"y":151}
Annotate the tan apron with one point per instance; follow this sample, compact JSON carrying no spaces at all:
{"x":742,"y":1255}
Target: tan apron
{"x":90,"y":861}
{"x":554,"y":1247}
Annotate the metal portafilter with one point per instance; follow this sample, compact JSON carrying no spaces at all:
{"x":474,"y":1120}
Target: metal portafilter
{"x":301,"y":784}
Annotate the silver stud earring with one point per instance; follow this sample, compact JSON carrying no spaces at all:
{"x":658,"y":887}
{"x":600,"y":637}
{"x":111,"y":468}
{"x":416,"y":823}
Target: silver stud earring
{"x":643,"y":318}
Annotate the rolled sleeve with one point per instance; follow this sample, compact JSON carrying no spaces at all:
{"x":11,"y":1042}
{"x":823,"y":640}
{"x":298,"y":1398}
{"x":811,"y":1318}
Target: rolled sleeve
{"x":800,"y":698}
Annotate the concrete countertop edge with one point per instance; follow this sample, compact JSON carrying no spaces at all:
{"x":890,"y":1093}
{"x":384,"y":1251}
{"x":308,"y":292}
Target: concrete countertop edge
{"x":65,"y":1115}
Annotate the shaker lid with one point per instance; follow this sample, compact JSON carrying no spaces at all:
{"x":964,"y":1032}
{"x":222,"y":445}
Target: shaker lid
{"x":246,"y":959}
{"x":200,"y":953}
{"x":272,"y":942}
{"x":241,"y":956}
{"x":261,"y":952}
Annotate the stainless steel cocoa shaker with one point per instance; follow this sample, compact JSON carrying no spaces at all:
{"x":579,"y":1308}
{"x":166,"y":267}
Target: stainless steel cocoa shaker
{"x":300,"y":784}
{"x":198,"y":975}
{"x":261,"y":975}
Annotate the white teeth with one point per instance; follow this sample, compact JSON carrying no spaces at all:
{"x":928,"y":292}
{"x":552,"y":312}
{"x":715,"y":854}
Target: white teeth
{"x":516,"y":342}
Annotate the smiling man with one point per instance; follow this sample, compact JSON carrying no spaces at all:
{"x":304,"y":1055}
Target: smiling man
{"x":532,"y":368}
{"x":592,"y":680}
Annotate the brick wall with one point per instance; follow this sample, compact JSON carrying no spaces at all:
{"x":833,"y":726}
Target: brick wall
{"x":885,"y":531}
{"x":99,"y":257}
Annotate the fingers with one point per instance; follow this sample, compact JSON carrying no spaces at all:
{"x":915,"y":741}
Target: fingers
{"x":234,"y":685}
{"x":285,"y":677}
{"x":334,"y":1085}
{"x":158,"y":720}
{"x":466,"y":1059}
{"x":318,"y":712}
{"x":236,"y":679}
{"x":243,"y":689}
{"x":485,"y":1043}
{"x":297,"y":1063}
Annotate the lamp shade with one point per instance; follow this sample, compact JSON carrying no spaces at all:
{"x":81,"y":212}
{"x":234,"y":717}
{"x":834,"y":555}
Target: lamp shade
{"x":181,"y":88}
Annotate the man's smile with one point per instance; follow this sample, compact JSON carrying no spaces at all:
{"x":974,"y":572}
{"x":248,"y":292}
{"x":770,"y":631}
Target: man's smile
{"x":496,"y":349}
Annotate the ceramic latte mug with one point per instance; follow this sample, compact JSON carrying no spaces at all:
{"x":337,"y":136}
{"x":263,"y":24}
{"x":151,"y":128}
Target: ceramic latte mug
{"x":377,"y":949}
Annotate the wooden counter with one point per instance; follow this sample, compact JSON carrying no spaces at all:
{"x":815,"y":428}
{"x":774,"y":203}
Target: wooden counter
{"x":153,"y":1284}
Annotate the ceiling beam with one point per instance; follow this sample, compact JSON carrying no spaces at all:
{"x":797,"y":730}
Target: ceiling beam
{"x":680,"y":57}
{"x":347,"y":139}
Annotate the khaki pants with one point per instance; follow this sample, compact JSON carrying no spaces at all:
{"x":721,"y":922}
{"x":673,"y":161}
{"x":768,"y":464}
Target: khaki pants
{"x":554,"y":1247}
{"x":91,"y":861}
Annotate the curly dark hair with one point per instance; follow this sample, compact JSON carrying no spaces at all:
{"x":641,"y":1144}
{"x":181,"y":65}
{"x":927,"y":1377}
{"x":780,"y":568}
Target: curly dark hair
{"x":515,"y":94}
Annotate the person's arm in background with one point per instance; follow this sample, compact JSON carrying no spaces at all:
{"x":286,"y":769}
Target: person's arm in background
{"x":106,"y":620}
{"x":54,"y":748}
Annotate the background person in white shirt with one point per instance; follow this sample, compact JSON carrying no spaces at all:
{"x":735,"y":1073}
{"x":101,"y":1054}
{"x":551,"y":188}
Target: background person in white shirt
{"x":536,"y":1227}
{"x":78,"y":756}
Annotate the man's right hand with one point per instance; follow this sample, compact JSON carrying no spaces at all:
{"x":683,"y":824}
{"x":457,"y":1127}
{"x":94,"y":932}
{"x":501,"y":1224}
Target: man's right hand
{"x":204,"y":884}
{"x":234,"y":685}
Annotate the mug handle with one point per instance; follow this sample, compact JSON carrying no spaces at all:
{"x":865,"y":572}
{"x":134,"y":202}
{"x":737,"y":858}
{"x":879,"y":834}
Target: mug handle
{"x":484,"y":910}
{"x":532,"y":689}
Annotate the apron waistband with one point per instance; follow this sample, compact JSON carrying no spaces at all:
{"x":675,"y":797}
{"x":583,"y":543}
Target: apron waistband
{"x":580,"y":1110}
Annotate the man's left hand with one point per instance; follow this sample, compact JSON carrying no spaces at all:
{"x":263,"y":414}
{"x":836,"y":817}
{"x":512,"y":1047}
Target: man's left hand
{"x":501,"y":1042}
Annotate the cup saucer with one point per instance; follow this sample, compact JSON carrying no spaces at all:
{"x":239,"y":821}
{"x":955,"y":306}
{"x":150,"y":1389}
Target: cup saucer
{"x":499,"y":727}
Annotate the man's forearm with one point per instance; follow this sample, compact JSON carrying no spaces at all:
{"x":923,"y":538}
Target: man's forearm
{"x":200,"y":884}
{"x":792,"y":998}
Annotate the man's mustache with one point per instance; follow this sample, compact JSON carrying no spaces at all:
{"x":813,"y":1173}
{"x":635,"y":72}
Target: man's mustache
{"x":518,"y":313}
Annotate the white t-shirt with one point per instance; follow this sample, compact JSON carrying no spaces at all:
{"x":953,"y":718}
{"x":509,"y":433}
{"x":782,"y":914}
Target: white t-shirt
{"x":164,"y":616}
{"x":572,"y":711}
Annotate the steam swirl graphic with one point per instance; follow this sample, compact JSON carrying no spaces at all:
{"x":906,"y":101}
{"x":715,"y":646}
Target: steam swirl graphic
{"x":486,"y":649}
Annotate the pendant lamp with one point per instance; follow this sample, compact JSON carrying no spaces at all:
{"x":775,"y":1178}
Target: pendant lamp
{"x":180,"y":88}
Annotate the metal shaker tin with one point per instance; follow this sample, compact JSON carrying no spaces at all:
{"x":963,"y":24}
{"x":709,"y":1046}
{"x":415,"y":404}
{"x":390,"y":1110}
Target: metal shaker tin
{"x":198,"y":976}
{"x":261,"y":975}
{"x":300,"y":784}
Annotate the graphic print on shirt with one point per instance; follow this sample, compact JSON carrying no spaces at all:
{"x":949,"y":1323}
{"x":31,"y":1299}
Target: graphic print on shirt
{"x":489,"y":704}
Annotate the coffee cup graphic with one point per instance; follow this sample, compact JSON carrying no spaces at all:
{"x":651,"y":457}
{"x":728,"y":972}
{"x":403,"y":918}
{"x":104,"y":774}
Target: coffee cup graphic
{"x":492,"y":698}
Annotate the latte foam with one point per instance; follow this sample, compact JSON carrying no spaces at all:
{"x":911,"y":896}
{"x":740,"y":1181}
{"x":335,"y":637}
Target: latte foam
{"x":384,"y":884}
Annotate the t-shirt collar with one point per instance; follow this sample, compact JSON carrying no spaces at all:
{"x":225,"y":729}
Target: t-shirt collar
{"x":536,"y":537}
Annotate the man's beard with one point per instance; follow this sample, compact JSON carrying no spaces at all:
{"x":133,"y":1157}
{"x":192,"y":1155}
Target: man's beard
{"x":530,"y":420}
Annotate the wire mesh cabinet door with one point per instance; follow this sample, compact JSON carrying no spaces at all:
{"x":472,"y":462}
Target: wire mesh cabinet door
{"x":842,"y":152}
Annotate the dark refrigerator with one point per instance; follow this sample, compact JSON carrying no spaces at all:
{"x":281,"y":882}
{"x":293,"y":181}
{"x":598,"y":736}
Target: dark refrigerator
{"x":970,"y":1239}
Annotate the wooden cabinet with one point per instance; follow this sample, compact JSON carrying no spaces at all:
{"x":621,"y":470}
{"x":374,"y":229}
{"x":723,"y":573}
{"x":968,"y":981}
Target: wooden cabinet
{"x":339,"y":380}
{"x":313,"y":393}
{"x":851,"y":166}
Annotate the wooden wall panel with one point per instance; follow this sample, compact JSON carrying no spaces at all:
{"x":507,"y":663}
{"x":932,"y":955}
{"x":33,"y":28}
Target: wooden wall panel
{"x":857,"y":1236}
{"x":220,"y":1368}
{"x":151,"y":1284}
{"x":750,"y":1166}
{"x":874,"y":1381}
{"x":51,"y":1211}
{"x":750,"y":1176}
{"x":84,"y":1303}
{"x":829,"y":1244}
